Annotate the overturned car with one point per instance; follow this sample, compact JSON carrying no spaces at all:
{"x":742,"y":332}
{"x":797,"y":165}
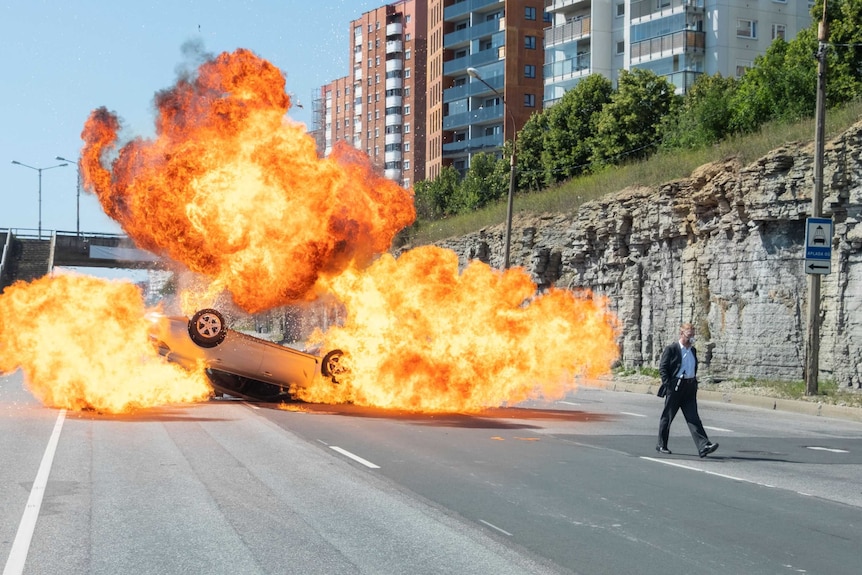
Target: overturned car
{"x":237,"y":364}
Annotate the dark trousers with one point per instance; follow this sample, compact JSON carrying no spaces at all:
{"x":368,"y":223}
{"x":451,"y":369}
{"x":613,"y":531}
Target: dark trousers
{"x":686,"y":400}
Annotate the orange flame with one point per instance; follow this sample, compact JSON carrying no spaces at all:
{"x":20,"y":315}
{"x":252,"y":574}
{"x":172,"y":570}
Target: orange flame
{"x":236,"y":192}
{"x":423,"y":337}
{"x":82,"y":343}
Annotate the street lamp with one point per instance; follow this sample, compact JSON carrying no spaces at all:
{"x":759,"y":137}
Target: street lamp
{"x":474,"y":73}
{"x":78,"y":188}
{"x":40,"y":170}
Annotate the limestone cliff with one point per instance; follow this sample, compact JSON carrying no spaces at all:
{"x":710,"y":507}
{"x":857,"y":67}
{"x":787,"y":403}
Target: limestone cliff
{"x":722,"y":249}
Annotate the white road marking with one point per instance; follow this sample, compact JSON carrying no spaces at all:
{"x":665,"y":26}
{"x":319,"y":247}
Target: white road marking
{"x":633,"y":414}
{"x":830,"y":449}
{"x":492,"y":526}
{"x":568,"y":403}
{"x":251,"y":405}
{"x":354,"y":457}
{"x":690,"y":468}
{"x":723,"y":430}
{"x":21,"y":545}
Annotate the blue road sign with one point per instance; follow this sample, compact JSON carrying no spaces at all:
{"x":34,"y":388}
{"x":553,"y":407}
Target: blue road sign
{"x":818,"y":245}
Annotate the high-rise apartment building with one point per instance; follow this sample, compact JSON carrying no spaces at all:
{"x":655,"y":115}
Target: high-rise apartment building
{"x":413,"y":105}
{"x":380,"y":107}
{"x":502,"y":41}
{"x":677,"y":39}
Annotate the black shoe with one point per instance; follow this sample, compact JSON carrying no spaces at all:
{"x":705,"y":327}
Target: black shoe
{"x":710,"y":447}
{"x":661,"y":449}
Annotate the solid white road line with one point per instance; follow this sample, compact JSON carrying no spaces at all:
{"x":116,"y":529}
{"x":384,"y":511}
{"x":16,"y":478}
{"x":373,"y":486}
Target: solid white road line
{"x":568,"y":403}
{"x":492,"y":526}
{"x":723,"y":430}
{"x":690,"y":468}
{"x":354,"y":457}
{"x":21,"y":545}
{"x":633,"y":414}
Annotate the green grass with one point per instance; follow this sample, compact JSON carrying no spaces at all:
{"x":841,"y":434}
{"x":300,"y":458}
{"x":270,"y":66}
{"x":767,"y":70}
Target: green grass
{"x":568,"y":196}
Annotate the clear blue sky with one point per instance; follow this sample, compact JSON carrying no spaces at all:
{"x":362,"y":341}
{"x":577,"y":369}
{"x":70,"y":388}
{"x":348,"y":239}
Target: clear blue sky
{"x":62,"y":59}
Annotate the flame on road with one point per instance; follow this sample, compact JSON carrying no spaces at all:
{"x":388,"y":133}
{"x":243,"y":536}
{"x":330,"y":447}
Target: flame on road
{"x":82,"y":343}
{"x":424,"y":337}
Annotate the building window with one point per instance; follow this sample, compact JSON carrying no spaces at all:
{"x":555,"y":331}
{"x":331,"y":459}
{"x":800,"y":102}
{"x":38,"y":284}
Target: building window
{"x":406,"y":128}
{"x":746,"y":28}
{"x":530,"y":42}
{"x":741,"y":67}
{"x":529,"y":100}
{"x":357,"y":31}
{"x":407,"y":54}
{"x":529,"y":13}
{"x":547,"y":17}
{"x":406,"y":72}
{"x":407,"y":37}
{"x":406,"y":146}
{"x":406,"y":164}
{"x":621,"y":9}
{"x":376,"y":132}
{"x":529,"y":71}
{"x":621,"y":47}
{"x":778,"y":31}
{"x":407,"y":110}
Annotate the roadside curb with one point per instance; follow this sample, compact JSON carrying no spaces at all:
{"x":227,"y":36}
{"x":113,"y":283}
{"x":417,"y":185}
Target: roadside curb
{"x":763,"y":402}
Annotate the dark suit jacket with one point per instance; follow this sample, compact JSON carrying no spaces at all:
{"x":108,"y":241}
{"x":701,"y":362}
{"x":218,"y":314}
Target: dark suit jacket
{"x":671,"y":361}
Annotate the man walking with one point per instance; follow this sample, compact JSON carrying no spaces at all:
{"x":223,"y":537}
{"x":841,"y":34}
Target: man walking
{"x":678,"y":371}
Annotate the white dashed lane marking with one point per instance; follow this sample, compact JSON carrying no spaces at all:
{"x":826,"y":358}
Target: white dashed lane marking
{"x":354,"y":457}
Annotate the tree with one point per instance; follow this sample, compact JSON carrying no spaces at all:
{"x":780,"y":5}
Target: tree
{"x":486,"y":181}
{"x":629,"y":125}
{"x":531,"y":142}
{"x":704,"y":116}
{"x":438,"y":197}
{"x":572,"y":123}
{"x":844,"y":57}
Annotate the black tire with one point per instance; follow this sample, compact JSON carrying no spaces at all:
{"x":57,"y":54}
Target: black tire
{"x":207,"y":328}
{"x":332,"y":365}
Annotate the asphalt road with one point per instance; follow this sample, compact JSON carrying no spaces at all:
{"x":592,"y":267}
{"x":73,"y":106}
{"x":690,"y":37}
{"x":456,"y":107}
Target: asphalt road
{"x":571,"y":486}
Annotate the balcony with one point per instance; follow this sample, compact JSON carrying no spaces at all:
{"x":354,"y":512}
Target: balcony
{"x":478,"y":116}
{"x":647,"y":10}
{"x":392,"y":120}
{"x":392,"y":101}
{"x":394,"y":47}
{"x":394,"y":29}
{"x":684,"y":41}
{"x":393,"y":156}
{"x":392,"y":65}
{"x":357,"y":74}
{"x":682,"y":81}
{"x":394,"y":83}
{"x":453,"y":39}
{"x":475,"y":144}
{"x":466,"y":6}
{"x":471,"y":60}
{"x":392,"y":138}
{"x":568,"y":32}
{"x":473,"y":88}
{"x":556,"y":5}
{"x":567,"y":69}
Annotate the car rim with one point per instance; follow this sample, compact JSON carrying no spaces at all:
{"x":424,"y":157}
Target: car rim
{"x":209,"y":325}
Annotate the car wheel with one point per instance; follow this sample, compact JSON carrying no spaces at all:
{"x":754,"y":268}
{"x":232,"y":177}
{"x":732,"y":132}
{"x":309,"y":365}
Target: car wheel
{"x":207,"y":328}
{"x":333,"y":366}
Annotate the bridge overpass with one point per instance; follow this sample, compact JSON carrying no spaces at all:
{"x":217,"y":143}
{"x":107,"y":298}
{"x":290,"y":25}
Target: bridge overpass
{"x":28,"y":255}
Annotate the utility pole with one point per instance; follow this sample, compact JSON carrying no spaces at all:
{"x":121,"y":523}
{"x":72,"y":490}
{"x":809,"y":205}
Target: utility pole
{"x":812,"y":345}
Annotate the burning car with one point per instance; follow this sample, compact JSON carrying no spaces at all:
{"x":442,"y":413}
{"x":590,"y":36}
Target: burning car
{"x":238,"y":364}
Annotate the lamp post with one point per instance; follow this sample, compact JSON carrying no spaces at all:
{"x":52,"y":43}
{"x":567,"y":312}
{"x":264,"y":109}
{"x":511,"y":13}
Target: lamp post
{"x":78,"y":194}
{"x":40,"y":170}
{"x":474,"y":73}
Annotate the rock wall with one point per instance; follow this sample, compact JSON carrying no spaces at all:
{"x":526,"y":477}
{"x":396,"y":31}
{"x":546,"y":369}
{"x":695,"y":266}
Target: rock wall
{"x":722,"y":249}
